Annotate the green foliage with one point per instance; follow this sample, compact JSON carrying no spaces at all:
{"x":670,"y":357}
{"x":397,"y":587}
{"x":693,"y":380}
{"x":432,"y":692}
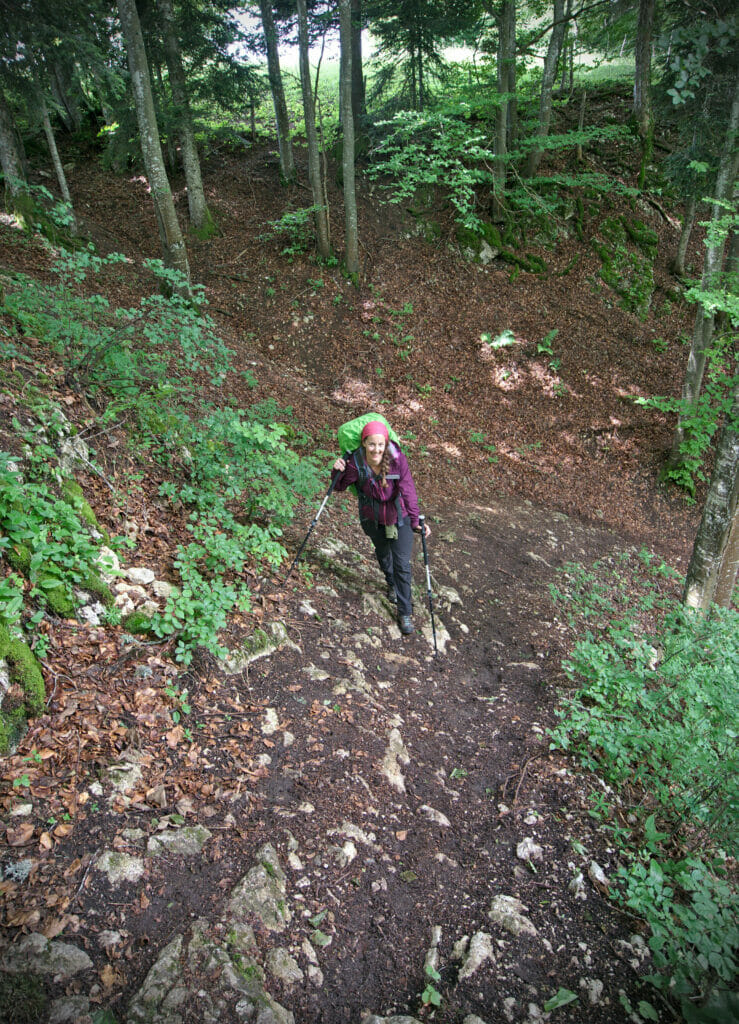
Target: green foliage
{"x":236,"y":469}
{"x":46,"y":541}
{"x":243,"y":483}
{"x":655,"y":712}
{"x":701,"y":420}
{"x":123,"y":350}
{"x":298,"y":227}
{"x":450,"y":149}
{"x":430,"y":995}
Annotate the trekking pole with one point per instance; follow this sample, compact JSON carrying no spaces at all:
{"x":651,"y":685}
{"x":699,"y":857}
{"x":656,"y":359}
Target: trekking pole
{"x":316,"y":517}
{"x":422,"y":524}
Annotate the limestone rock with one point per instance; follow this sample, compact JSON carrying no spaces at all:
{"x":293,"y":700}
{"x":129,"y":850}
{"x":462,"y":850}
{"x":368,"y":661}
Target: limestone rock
{"x":527,"y":849}
{"x":35,"y":954}
{"x":120,"y":867}
{"x":185,"y":842}
{"x":162,"y":992}
{"x":283,"y":966}
{"x":69,"y":1010}
{"x":140,"y":575}
{"x":261,"y":893}
{"x":507,"y":911}
{"x":395,"y":755}
{"x":435,"y":816}
{"x":481,"y":949}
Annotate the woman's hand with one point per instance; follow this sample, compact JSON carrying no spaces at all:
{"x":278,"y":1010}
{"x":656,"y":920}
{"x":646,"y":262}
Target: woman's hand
{"x":426,"y":529}
{"x":339,"y":465}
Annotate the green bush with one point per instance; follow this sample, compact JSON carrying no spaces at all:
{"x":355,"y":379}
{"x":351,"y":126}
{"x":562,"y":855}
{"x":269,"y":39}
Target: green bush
{"x":655,"y":712}
{"x":45,"y":541}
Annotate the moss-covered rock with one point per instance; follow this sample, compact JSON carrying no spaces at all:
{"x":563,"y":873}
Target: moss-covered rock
{"x":75,"y":496}
{"x":23,"y":669}
{"x":93,"y":584}
{"x":641,"y":235}
{"x":138,"y":623}
{"x":55,"y":593}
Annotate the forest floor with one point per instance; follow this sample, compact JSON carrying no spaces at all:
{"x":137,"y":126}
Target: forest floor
{"x":394,"y":786}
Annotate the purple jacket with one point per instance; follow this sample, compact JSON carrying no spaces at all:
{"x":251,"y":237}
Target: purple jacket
{"x":380,"y":505}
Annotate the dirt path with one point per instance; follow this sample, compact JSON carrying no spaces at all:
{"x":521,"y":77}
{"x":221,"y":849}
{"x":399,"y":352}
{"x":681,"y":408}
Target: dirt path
{"x":394,"y":789}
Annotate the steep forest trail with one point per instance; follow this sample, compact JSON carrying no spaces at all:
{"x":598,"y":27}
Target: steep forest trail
{"x":364,"y":792}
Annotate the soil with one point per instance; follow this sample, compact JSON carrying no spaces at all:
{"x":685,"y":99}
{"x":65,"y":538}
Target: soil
{"x":524,"y":461}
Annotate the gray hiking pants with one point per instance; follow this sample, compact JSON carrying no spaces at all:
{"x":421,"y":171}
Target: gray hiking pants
{"x":394,"y":557}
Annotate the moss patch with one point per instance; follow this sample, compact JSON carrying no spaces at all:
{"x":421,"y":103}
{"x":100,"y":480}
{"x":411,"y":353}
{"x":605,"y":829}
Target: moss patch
{"x":138,"y":623}
{"x":75,"y":496}
{"x":24,"y":671}
{"x":92,"y":583}
{"x":23,"y":999}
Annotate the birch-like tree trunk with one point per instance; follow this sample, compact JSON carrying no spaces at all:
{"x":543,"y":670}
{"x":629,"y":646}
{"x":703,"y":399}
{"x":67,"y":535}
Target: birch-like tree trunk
{"x":551,"y":61}
{"x":350,"y":196}
{"x":200,"y":218}
{"x":643,"y":84}
{"x":314,"y":158}
{"x":10,"y":158}
{"x":505,"y":116}
{"x":709,"y":575}
{"x":712,"y":263}
{"x":678,"y":266}
{"x":284,"y":145}
{"x":173,"y":244}
{"x":359,"y":101}
{"x":55,"y":158}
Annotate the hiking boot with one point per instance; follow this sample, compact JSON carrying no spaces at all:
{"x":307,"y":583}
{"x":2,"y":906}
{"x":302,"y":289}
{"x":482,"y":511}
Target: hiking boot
{"x":405,"y":624}
{"x":390,"y":593}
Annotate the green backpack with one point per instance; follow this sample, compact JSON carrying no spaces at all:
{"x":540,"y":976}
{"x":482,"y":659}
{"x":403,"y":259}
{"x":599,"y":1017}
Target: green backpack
{"x":350,"y":440}
{"x":350,"y":433}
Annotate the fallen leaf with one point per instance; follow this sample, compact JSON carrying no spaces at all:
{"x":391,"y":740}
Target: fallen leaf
{"x":23,"y":918}
{"x":21,"y":834}
{"x":45,"y":841}
{"x":63,"y":829}
{"x":109,"y":976}
{"x":55,"y":926}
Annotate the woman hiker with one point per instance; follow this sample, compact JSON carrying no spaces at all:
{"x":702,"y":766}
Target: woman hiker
{"x":388,"y":509}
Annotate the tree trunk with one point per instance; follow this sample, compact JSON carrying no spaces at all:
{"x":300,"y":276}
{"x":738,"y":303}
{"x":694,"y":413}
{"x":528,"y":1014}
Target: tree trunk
{"x":55,"y":159}
{"x":173,"y":244}
{"x":547,"y":84}
{"x":200,"y":218}
{"x":314,"y":158}
{"x":359,"y":100}
{"x":70,"y":110}
{"x":643,"y":84}
{"x":678,"y":266}
{"x":506,"y":21}
{"x":510,"y":69}
{"x":10,"y":158}
{"x":708,"y":565}
{"x":287,"y":162}
{"x":421,"y":83}
{"x":729,"y":571}
{"x":712,"y":263}
{"x":350,"y":197}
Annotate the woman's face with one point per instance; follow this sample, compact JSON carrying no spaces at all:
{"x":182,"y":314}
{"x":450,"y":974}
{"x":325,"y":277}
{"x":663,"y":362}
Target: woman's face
{"x":374,"y":448}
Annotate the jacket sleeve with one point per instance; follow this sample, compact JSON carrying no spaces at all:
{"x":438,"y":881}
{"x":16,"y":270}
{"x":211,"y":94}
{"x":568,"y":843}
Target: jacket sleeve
{"x":408,"y":490}
{"x":348,"y":477}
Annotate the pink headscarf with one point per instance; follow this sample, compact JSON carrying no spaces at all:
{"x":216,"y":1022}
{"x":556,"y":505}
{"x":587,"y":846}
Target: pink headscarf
{"x":375,"y":427}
